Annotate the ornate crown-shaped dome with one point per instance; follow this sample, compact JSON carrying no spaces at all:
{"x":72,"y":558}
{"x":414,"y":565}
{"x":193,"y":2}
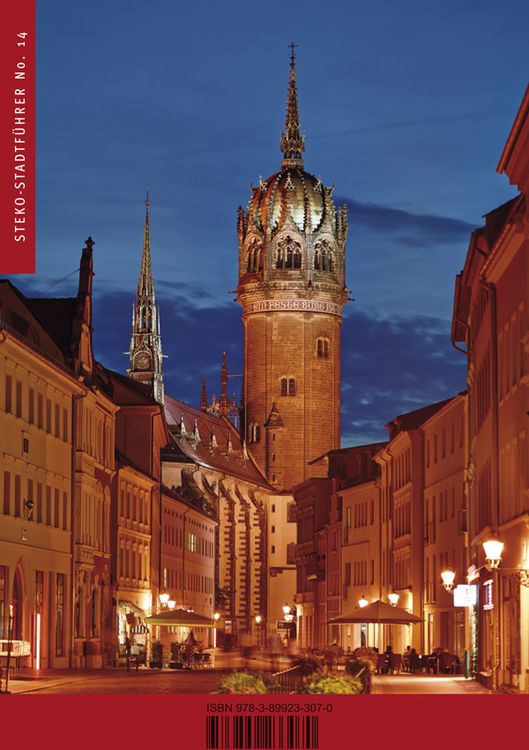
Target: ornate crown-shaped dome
{"x":291,"y":193}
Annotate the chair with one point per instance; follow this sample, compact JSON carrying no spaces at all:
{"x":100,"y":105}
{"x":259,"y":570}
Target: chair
{"x":395,"y":663}
{"x":381,"y":664}
{"x":414,"y":662}
{"x":447,"y":663}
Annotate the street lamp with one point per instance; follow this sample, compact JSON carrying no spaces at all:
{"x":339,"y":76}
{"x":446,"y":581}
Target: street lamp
{"x":393,"y":599}
{"x":216,"y":618}
{"x":164,"y":598}
{"x":493,"y":549}
{"x":286,"y":609}
{"x":448,"y":578}
{"x":363,"y":602}
{"x":171,"y":604}
{"x":258,"y":620}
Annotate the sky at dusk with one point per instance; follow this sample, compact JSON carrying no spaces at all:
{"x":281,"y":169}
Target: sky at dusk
{"x":406,"y":107}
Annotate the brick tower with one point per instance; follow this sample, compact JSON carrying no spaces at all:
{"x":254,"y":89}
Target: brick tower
{"x":292,"y":291}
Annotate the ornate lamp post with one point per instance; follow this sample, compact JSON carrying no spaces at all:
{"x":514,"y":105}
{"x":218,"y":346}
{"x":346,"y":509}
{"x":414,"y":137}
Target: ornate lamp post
{"x":393,"y":598}
{"x":448,"y":577}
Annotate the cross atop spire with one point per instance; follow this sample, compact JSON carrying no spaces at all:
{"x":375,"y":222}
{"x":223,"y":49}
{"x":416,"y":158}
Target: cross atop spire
{"x":292,"y":46}
{"x":292,"y":141}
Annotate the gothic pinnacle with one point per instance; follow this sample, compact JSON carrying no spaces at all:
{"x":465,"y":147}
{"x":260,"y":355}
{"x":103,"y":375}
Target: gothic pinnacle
{"x":292,"y":141}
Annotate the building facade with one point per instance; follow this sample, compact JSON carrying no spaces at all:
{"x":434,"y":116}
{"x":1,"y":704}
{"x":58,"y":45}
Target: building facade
{"x":490,"y":324}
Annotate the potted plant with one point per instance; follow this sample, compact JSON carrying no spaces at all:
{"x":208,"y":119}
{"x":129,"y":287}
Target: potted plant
{"x":243,"y":683}
{"x":176,"y":656}
{"x":156,"y":661}
{"x":335,"y":684}
{"x":362,"y":669}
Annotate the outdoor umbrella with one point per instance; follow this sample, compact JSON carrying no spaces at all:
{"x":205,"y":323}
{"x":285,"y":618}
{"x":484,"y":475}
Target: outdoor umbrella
{"x":378,"y":612}
{"x":181,"y":618}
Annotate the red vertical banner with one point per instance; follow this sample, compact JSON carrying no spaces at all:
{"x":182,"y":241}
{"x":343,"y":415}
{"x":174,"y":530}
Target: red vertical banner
{"x":17,"y":137}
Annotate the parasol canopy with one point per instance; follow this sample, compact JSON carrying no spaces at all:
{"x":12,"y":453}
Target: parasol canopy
{"x":181,"y":618}
{"x":379,"y":612}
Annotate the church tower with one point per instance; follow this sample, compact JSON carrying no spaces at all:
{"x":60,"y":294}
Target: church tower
{"x":146,"y":344}
{"x":292,"y":291}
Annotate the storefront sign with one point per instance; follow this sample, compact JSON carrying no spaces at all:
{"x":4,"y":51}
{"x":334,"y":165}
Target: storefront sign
{"x":465,"y":596}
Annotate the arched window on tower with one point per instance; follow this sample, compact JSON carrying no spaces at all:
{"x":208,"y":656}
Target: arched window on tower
{"x":288,"y":386}
{"x":254,"y":433}
{"x":254,"y":258}
{"x":324,"y":257}
{"x":322,"y":348}
{"x":288,"y":253}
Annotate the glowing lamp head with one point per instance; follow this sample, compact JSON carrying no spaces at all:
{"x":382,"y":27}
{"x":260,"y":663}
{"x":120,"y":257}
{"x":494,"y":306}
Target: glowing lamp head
{"x":216,"y":617}
{"x":448,"y":578}
{"x":363,"y":602}
{"x":258,"y":619}
{"x":171,"y":604}
{"x":286,"y":609}
{"x":164,"y":598}
{"x":393,"y":599}
{"x":493,"y":549}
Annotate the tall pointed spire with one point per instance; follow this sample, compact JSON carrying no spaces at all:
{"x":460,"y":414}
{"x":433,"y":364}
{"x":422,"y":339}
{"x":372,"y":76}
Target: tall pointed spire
{"x":145,"y":282}
{"x":146,"y":345}
{"x":292,"y":141}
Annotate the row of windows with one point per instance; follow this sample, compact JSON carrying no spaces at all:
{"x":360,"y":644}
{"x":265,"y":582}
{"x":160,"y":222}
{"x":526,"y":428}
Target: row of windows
{"x":402,"y":573}
{"x":444,"y":442}
{"x":93,"y":519}
{"x":38,"y":410}
{"x":360,"y":514}
{"x":35,"y":501}
{"x":511,"y":353}
{"x":173,"y":579}
{"x":96,"y":433}
{"x":134,"y":561}
{"x":513,"y":478}
{"x":289,"y":256}
{"x":359,"y":573}
{"x":134,"y":504}
{"x":402,"y":518}
{"x":402,"y":468}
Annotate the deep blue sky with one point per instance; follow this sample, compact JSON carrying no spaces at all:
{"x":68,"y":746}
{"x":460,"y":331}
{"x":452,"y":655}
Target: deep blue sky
{"x":405,"y":106}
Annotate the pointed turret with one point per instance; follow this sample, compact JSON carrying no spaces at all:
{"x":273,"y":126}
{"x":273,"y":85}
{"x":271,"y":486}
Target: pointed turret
{"x":146,"y":345}
{"x":81,"y":342}
{"x":292,"y":141}
{"x":224,"y":387}
{"x":204,"y":396}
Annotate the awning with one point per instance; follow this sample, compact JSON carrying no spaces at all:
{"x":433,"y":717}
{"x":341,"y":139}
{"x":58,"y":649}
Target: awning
{"x":134,"y":607}
{"x":378,"y":612}
{"x":181,"y":618}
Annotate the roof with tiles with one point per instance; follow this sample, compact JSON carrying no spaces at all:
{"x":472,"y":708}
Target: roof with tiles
{"x":210,"y":441}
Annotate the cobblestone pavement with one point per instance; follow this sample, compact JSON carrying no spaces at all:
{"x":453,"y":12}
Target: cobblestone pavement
{"x":426,"y":685}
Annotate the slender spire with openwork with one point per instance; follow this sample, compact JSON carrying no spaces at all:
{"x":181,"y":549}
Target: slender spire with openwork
{"x":145,"y":282}
{"x":292,"y":140}
{"x":146,"y":345}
